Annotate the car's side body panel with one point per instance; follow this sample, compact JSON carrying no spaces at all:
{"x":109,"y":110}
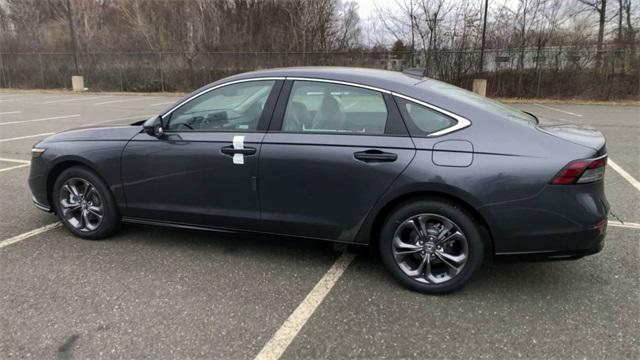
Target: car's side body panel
{"x":99,"y":149}
{"x":185,"y":178}
{"x":313,"y":186}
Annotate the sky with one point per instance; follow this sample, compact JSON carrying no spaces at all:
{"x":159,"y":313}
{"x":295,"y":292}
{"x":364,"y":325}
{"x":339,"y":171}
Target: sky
{"x":366,"y":8}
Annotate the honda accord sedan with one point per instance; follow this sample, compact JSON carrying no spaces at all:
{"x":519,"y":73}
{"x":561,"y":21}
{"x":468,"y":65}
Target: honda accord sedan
{"x":435,"y":178}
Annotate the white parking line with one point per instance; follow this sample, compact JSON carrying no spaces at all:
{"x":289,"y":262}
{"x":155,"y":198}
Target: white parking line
{"x":90,"y":124}
{"x":628,"y":225}
{"x":277,"y":345}
{"x":16,"y":161}
{"x":26,"y":137}
{"x":162,"y":103}
{"x":40,"y":119}
{"x":126,"y":100}
{"x":76,"y":99}
{"x":9,"y":112}
{"x":635,"y":183}
{"x":143,"y":116}
{"x":28,"y":234}
{"x":559,"y":110}
{"x":8,"y":95}
{"x":14,"y":167}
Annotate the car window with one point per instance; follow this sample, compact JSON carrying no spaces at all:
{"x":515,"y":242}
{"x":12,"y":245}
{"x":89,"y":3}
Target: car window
{"x":334,"y":108}
{"x":236,"y":107}
{"x":426,"y":120}
{"x":485,"y":103}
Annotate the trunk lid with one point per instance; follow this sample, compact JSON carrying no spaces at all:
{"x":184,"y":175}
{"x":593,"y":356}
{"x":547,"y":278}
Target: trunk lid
{"x":581,"y":135}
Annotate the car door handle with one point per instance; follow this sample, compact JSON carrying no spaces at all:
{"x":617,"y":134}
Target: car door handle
{"x":375,"y":156}
{"x":230,"y":150}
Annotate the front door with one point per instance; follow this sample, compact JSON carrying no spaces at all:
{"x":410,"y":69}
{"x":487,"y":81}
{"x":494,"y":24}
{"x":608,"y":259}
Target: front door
{"x":204,"y":170}
{"x":328,"y":158}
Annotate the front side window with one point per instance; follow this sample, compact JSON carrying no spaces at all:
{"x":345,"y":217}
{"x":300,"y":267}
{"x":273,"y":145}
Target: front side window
{"x":333,"y":108}
{"x":423,"y":120}
{"x":236,"y":107}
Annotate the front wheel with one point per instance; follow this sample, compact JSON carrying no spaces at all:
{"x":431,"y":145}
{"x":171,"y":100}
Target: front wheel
{"x":84,"y":204}
{"x":431,"y":246}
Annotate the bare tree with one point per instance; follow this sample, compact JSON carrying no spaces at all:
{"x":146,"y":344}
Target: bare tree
{"x":600,"y":7}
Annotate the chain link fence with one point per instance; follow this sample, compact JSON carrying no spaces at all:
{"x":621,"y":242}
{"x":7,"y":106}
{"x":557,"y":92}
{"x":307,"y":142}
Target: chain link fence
{"x":525,"y":73}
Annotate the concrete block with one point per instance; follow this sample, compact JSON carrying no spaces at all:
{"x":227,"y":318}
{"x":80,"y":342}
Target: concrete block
{"x":480,"y":86}
{"x":77,"y":83}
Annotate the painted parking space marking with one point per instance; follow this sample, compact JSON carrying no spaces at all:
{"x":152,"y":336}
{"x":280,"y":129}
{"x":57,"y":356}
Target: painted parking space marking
{"x":76,"y":99}
{"x":28,"y":234}
{"x":635,"y":183}
{"x":90,"y":124}
{"x":162,"y":103}
{"x":134,"y":117}
{"x":40,"y":119}
{"x":10,"y":112}
{"x":126,"y":100}
{"x":25,"y":137}
{"x":16,"y":161}
{"x":23,"y":163}
{"x":277,"y":345}
{"x":8,"y":96}
{"x":628,"y":225}
{"x":14,"y":167}
{"x":558,"y":110}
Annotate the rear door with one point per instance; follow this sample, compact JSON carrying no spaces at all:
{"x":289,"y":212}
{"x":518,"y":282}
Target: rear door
{"x":332,"y":150}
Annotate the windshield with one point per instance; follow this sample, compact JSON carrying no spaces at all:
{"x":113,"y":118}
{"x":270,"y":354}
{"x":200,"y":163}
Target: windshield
{"x":474,"y":99}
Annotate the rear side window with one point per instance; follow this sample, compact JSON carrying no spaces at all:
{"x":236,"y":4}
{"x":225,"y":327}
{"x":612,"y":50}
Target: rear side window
{"x":422,"y":120}
{"x":320,"y":107}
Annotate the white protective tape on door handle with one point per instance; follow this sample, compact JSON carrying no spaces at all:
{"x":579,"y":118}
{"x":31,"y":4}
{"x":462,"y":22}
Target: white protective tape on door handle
{"x":238,"y":144}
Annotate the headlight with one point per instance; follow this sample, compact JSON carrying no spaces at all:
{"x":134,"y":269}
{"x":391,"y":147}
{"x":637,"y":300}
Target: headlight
{"x":37,"y":152}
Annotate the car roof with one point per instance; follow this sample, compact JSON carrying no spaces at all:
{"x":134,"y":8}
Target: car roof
{"x":383,"y":79}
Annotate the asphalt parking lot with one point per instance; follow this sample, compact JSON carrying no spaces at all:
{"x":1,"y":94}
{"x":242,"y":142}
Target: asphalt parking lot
{"x":158,"y":293}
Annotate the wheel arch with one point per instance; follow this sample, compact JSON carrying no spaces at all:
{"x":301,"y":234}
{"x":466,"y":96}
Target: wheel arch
{"x":62,"y":165}
{"x":372,"y":233}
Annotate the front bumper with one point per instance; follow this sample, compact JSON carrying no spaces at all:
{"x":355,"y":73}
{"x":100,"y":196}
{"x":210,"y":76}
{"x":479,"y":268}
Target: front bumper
{"x":38,"y":184}
{"x":41,"y":206}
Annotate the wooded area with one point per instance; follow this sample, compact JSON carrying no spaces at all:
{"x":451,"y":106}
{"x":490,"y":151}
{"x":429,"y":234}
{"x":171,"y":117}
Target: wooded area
{"x":533,"y":48}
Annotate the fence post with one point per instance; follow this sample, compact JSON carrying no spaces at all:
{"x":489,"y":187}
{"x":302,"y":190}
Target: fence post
{"x":121,"y":79}
{"x":2,"y":79}
{"x":160,"y":70}
{"x":41,"y":70}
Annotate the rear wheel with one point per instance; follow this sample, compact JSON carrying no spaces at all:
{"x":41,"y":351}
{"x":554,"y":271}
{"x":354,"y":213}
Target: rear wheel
{"x":84,"y":204}
{"x":431,"y":246}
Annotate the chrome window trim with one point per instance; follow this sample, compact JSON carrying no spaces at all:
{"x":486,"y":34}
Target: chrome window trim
{"x":460,"y":124}
{"x":461,"y":121}
{"x":276,"y":78}
{"x":339,"y":83}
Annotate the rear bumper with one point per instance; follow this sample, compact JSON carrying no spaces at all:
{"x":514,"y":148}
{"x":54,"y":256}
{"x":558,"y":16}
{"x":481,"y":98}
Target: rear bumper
{"x":560,"y":222}
{"x":574,"y":246}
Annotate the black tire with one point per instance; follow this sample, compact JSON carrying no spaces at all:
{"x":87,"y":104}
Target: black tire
{"x":415,"y":209}
{"x":105,"y":226}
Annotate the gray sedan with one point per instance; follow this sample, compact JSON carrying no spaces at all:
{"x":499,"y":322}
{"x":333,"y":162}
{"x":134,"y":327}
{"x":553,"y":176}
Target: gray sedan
{"x":434,"y":177}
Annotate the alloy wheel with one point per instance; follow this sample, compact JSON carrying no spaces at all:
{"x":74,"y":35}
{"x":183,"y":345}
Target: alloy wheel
{"x":81,"y":204}
{"x":430,"y":248}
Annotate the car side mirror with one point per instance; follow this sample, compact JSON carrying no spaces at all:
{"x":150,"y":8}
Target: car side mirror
{"x":154,"y":127}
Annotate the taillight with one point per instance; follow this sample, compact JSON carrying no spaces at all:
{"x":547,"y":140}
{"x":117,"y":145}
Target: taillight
{"x":581,"y":171}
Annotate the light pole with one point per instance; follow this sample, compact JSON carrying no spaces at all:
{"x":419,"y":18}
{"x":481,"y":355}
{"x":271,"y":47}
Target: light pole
{"x":484,"y":32}
{"x":72,"y":34}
